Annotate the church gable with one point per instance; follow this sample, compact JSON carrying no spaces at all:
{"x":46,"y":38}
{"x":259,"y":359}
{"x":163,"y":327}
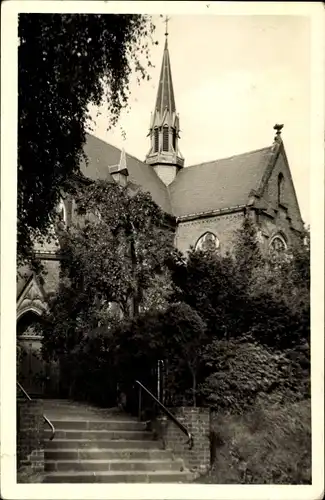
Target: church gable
{"x":277,"y":194}
{"x":32,"y":298}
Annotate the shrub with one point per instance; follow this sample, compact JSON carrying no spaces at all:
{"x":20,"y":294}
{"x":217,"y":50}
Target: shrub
{"x":267,"y":445}
{"x":243,"y":372}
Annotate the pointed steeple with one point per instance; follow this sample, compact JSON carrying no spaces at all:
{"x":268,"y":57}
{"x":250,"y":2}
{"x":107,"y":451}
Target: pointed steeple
{"x":165,"y":95}
{"x":164,"y":154}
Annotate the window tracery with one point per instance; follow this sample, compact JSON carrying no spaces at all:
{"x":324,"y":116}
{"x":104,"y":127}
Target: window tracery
{"x":278,"y":244}
{"x":207,"y":242}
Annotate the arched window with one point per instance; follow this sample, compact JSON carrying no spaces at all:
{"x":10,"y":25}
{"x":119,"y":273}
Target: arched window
{"x":208,"y":242}
{"x":280,"y":188}
{"x":62,"y":211}
{"x":165,"y":139}
{"x":156,"y":140}
{"x":98,"y":214}
{"x":278,"y":244}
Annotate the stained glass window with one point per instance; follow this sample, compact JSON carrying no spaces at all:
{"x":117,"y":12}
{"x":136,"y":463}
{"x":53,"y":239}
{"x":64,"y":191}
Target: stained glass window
{"x":208,"y":242}
{"x":278,"y":244}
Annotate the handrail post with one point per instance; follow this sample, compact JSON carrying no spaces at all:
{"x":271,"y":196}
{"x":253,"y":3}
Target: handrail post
{"x":140,"y":403}
{"x":169,"y":414}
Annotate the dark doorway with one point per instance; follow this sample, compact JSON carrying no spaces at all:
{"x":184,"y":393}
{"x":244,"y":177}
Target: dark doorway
{"x":31,"y":369}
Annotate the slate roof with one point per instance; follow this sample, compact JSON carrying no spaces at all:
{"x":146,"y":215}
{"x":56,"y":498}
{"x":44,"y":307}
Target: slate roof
{"x":206,"y":187}
{"x":218,"y":184}
{"x":101,"y":155}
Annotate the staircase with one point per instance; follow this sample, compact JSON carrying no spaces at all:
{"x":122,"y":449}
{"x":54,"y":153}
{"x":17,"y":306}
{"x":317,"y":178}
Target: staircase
{"x":94,"y":445}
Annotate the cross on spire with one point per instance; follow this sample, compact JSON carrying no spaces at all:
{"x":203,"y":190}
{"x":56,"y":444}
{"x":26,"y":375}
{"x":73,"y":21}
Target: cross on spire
{"x":166,"y":22}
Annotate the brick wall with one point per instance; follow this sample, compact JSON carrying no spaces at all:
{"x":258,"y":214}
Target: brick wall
{"x":288,"y":197}
{"x":197,"y":421}
{"x":30,"y":438}
{"x":223,"y":226}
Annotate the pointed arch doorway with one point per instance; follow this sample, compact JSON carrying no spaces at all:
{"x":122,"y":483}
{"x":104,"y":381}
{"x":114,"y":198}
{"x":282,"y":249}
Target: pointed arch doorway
{"x":37,"y":377}
{"x":30,"y":366}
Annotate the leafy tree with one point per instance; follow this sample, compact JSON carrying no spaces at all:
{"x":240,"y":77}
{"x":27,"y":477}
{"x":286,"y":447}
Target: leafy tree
{"x":208,"y":283}
{"x":280,"y":294}
{"x":247,"y":254}
{"x":65,"y":63}
{"x":184,"y":335}
{"x":112,"y":255}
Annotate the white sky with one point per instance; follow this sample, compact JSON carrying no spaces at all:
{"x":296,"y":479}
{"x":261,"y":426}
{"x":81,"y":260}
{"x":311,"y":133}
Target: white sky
{"x":234,"y":77}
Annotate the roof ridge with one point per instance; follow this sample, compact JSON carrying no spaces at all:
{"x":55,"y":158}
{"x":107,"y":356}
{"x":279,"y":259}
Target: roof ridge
{"x":229,"y":157}
{"x":116,"y":147}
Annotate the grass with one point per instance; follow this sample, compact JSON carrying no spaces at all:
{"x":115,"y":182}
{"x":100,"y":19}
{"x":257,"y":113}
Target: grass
{"x":269,"y":445}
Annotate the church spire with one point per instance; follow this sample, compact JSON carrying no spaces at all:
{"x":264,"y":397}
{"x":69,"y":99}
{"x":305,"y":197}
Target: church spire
{"x":164,"y":154}
{"x":165,"y":95}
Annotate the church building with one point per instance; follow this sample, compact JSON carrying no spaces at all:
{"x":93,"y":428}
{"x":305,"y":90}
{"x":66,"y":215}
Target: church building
{"x":207,"y":201}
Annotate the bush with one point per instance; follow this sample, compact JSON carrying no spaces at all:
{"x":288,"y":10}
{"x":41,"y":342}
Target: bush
{"x":267,"y":445}
{"x":244,"y":372}
{"x":106,"y":361}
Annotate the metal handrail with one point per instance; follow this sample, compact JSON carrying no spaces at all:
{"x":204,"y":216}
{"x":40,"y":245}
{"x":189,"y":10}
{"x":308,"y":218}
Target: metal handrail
{"x":169,"y":414}
{"x":49,"y":423}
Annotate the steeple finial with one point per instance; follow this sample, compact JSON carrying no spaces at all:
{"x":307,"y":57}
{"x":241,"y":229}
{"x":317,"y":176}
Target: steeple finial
{"x":278,"y":129}
{"x":166,"y":22}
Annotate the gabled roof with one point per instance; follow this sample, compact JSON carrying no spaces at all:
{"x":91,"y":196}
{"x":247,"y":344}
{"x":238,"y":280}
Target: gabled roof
{"x":200,"y":189}
{"x":102,"y":155}
{"x":218,"y":184}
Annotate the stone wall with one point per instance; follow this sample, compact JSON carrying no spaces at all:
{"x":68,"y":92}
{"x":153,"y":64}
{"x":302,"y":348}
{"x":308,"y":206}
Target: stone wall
{"x":30,"y":435}
{"x":197,"y":421}
{"x":52,"y":276}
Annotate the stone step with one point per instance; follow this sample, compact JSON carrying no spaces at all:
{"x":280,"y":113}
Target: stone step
{"x":98,"y":434}
{"x":121,"y":444}
{"x":106,"y":454}
{"x":92,"y":424}
{"x":75,"y":406}
{"x":115,"y":465}
{"x":118,"y":477}
{"x":86,"y":415}
{"x":107,"y":435}
{"x":82,"y":408}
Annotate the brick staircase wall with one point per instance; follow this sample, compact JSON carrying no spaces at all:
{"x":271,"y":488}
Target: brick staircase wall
{"x":30,"y":435}
{"x":94,"y":445}
{"x":197,"y":421}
